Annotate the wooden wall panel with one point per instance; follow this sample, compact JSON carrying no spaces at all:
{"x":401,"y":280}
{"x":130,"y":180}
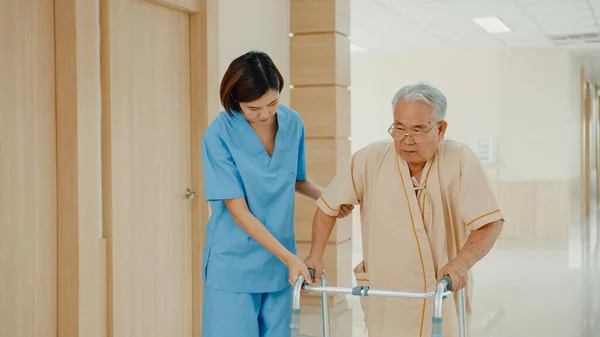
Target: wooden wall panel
{"x":516,"y":201}
{"x":28,"y":170}
{"x":320,"y":59}
{"x":552,"y":209}
{"x":538,"y":209}
{"x":320,"y":16}
{"x":326,"y":157}
{"x":320,"y":76}
{"x":325,"y":110}
{"x":191,"y":6}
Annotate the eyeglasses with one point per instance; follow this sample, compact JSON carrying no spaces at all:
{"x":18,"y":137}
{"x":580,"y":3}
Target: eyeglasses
{"x":417,"y":136}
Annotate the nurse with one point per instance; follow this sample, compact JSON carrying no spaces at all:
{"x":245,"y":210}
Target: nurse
{"x":253,"y":157}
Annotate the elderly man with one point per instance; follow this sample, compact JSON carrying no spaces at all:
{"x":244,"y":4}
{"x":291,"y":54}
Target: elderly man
{"x":426,"y":211}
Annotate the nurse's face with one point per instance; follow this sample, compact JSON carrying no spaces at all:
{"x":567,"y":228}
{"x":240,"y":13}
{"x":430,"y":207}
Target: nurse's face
{"x":417,"y":132}
{"x":263,"y":109}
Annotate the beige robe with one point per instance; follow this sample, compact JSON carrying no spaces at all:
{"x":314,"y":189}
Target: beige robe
{"x":409,"y":237}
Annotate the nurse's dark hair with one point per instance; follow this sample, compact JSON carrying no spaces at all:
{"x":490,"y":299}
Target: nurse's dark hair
{"x":247,"y":79}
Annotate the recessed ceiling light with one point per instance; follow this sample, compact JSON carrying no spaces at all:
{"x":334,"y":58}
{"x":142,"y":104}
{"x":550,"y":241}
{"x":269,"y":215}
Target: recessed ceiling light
{"x":354,"y":47}
{"x":492,"y":24}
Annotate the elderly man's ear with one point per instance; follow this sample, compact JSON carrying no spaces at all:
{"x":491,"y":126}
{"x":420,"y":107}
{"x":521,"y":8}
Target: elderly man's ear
{"x":443,"y":127}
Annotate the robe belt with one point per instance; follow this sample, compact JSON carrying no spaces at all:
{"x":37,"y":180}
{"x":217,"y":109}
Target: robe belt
{"x":420,"y":188}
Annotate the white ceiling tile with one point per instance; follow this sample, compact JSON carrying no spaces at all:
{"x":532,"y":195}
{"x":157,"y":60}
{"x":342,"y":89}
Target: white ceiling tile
{"x":570,"y":30}
{"x":436,"y":25}
{"x":532,"y":46}
{"x":370,"y":13}
{"x":416,"y":7}
{"x":495,"y":47}
{"x":544,"y":2}
{"x":506,"y":15}
{"x":409,"y":2}
{"x":549,"y":23}
{"x":521,"y":37}
{"x":437,"y":47}
{"x":523,"y":27}
{"x":415,"y":39}
{"x":526,"y":40}
{"x":471,"y":4}
{"x":558,"y":7}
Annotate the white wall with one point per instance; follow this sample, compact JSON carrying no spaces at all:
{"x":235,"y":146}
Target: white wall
{"x":529,"y":100}
{"x":255,"y":25}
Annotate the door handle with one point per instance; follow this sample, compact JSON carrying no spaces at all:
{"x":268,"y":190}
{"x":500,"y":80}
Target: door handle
{"x":190,"y":195}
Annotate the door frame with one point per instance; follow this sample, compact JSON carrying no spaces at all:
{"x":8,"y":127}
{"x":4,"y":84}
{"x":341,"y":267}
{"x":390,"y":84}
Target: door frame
{"x":597,"y":134}
{"x":83,"y":154}
{"x":586,"y":97}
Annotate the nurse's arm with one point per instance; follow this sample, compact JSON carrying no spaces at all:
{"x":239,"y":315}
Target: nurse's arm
{"x":245,"y":219}
{"x":309,"y":188}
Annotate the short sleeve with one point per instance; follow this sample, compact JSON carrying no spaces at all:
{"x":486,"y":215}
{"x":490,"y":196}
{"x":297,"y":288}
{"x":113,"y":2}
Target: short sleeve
{"x":222,"y":179}
{"x":301,"y":169}
{"x":478,"y":204}
{"x":346,"y":188}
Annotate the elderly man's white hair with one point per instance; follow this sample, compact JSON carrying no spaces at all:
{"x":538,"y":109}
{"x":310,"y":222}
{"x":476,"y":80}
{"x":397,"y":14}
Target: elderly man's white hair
{"x":423,"y":92}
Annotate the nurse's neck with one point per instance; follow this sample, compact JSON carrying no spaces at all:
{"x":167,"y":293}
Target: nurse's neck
{"x":266,"y":127}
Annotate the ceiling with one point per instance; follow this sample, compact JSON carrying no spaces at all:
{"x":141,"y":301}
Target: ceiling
{"x":447,"y":25}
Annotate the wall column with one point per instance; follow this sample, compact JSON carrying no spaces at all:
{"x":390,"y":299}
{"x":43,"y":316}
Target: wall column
{"x":320,"y":76}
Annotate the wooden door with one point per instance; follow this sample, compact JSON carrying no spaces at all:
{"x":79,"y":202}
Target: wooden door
{"x":149,"y":68}
{"x":28,"y":188}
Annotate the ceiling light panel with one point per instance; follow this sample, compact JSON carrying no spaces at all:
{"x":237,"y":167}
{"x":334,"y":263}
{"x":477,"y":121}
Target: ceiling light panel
{"x":492,"y":24}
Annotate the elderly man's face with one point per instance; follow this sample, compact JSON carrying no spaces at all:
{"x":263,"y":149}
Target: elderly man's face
{"x":425,"y":131}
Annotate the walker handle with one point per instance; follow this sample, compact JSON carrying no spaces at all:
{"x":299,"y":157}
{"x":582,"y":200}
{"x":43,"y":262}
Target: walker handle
{"x":448,"y":281}
{"x":312,"y":275}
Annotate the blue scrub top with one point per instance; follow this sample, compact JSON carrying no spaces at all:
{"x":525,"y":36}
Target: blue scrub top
{"x":236,"y":165}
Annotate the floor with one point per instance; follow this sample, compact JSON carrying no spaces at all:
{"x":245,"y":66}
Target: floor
{"x":523,"y":288}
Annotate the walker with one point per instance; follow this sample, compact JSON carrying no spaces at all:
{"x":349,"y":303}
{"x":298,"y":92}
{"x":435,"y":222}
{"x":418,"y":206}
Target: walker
{"x":437,"y":296}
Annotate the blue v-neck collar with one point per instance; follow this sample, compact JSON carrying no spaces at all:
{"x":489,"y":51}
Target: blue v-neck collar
{"x":253,"y":143}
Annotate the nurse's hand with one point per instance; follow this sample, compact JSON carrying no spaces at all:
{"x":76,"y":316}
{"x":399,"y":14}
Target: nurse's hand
{"x":345,"y":210}
{"x":297,"y":268}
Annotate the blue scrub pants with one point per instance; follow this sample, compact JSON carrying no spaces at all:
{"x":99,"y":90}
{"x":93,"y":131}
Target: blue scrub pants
{"x":229,"y":314}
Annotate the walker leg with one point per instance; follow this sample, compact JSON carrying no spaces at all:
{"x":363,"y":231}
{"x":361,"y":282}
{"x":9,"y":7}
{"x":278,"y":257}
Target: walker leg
{"x":295,"y":323}
{"x":325,"y":307}
{"x":437,"y":320}
{"x":462,"y":313}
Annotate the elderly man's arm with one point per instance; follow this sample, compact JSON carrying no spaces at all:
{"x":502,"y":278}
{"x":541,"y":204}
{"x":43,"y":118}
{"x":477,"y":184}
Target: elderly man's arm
{"x":480,"y":242}
{"x":478,"y":245}
{"x":321,"y":231}
{"x":311,"y":189}
{"x":345,"y":189}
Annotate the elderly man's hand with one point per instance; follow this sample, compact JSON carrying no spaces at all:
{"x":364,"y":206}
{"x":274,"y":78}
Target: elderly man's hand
{"x":458,"y":271}
{"x":316,"y":263}
{"x":345,"y":210}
